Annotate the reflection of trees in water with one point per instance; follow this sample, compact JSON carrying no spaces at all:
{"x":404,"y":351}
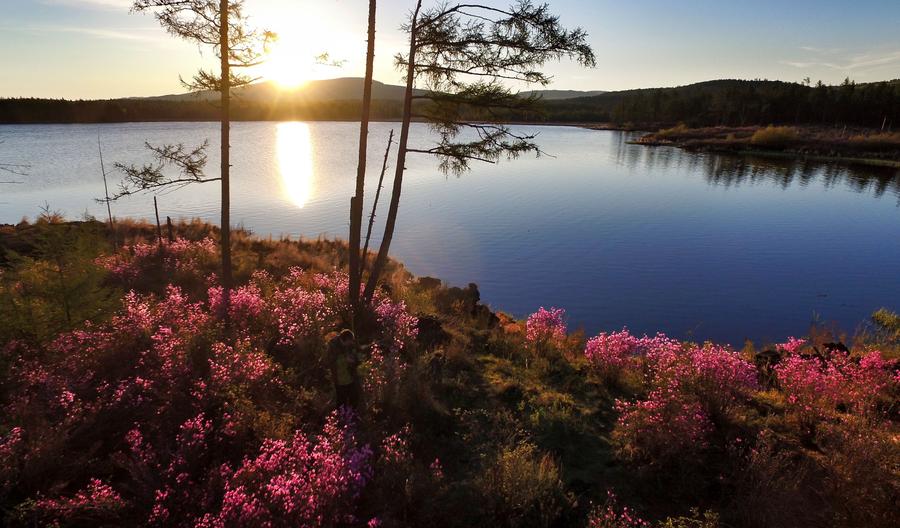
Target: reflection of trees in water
{"x":734,"y":170}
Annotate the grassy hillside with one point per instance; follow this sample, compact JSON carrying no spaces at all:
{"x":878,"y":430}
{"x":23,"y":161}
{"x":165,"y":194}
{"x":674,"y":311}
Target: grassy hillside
{"x":157,"y":413}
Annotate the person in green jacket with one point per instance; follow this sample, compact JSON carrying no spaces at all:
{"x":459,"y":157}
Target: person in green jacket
{"x":344,"y":363}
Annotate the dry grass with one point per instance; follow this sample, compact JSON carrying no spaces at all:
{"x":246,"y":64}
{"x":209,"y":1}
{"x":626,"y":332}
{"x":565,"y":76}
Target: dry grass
{"x":878,"y":141}
{"x":677,"y":131}
{"x":775,"y":136}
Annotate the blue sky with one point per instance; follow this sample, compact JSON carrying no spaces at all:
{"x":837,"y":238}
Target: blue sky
{"x":96,"y":49}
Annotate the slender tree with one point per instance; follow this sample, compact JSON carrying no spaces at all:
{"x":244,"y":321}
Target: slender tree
{"x":106,"y":198}
{"x":221,"y":25}
{"x":466,"y":55}
{"x":384,"y":166}
{"x":356,"y":203}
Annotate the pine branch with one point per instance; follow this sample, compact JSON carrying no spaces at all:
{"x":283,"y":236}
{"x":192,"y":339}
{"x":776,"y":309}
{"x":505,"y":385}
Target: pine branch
{"x":188,"y":162}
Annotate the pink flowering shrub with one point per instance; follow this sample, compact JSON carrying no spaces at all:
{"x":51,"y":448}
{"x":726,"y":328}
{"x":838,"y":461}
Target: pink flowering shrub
{"x":301,"y":312}
{"x":301,"y":482}
{"x":546,"y":326}
{"x":240,"y":365}
{"x":610,"y":353}
{"x":613,"y":516}
{"x":159,"y":414}
{"x":10,"y":458}
{"x":96,"y":503}
{"x":664,"y":428}
{"x":717,"y":376}
{"x":174,"y":404}
{"x":247,"y":309}
{"x":437,"y":470}
{"x":689,"y":387}
{"x":395,"y":448}
{"x":183,"y":262}
{"x":817,"y":388}
{"x":792,"y":346}
{"x":398,"y":328}
{"x":381,"y":373}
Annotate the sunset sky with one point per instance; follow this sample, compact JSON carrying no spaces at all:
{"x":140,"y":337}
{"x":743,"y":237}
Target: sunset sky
{"x":96,"y":49}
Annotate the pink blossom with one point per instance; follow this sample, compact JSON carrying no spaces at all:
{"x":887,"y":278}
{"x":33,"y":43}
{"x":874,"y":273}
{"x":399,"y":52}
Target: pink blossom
{"x":546,"y":326}
{"x":298,"y":483}
{"x":97,"y":501}
{"x":613,"y":516}
{"x":792,"y":346}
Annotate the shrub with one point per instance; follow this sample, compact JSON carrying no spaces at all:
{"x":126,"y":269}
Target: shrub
{"x":666,"y":428}
{"x":55,"y":287}
{"x":861,"y":483}
{"x":610,"y":353}
{"x":887,"y":326}
{"x":155,"y":392}
{"x":877,"y":141}
{"x":674,"y":132}
{"x":707,"y":519}
{"x":775,"y":485}
{"x":146,"y":266}
{"x":611,"y":515}
{"x":775,"y":136}
{"x":546,"y":326}
{"x":96,"y":503}
{"x":816,"y":388}
{"x":298,"y":482}
{"x":521,"y":487}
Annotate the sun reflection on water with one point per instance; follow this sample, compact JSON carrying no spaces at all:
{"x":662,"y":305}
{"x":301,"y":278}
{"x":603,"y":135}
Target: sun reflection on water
{"x":294,"y":152}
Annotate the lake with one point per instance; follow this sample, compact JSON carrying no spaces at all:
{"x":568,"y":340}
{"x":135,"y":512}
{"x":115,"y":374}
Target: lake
{"x":656,"y":239}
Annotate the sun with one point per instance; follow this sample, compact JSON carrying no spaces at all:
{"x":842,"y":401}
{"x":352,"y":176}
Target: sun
{"x":290,"y":63}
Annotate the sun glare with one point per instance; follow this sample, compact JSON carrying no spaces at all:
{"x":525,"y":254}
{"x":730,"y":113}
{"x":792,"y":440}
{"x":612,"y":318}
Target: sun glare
{"x":295,"y":163}
{"x":290,"y":63}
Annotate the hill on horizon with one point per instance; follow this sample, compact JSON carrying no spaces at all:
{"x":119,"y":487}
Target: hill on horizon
{"x":341,"y":89}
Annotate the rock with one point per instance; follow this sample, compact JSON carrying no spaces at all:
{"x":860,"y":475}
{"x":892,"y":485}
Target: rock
{"x":455,"y":299}
{"x":431,"y":332}
{"x":485,"y":316}
{"x":429,"y":283}
{"x":831,"y":348}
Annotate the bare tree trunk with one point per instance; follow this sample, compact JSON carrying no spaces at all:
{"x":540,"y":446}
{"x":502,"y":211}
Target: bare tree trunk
{"x":356,"y":204}
{"x":365,"y":251}
{"x":381,"y":259}
{"x":112,"y":226}
{"x":226,"y":133}
{"x":158,"y":226}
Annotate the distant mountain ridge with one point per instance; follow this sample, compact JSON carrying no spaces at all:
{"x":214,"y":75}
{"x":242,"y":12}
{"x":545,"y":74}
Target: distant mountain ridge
{"x":342,"y":89}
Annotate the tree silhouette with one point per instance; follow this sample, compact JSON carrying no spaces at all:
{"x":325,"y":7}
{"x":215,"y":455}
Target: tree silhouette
{"x":466,"y":55}
{"x":356,"y":203}
{"x":221,"y":25}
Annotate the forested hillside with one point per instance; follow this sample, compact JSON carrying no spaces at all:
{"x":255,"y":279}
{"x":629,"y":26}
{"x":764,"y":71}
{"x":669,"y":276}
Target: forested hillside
{"x":712,"y":103}
{"x":740,"y":103}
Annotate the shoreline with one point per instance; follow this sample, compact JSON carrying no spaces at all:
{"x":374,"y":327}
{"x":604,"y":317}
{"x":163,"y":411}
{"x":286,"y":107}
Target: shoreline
{"x":696,"y":140}
{"x":842,"y":145}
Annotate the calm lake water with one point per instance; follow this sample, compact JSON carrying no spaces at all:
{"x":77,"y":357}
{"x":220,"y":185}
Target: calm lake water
{"x":658,"y":239}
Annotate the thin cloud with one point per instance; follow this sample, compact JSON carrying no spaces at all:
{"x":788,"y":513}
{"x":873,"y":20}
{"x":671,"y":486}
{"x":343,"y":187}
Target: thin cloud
{"x":123,"y":34}
{"x":128,"y":34}
{"x":844,"y":62}
{"x":103,"y":4}
{"x":872,"y":60}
